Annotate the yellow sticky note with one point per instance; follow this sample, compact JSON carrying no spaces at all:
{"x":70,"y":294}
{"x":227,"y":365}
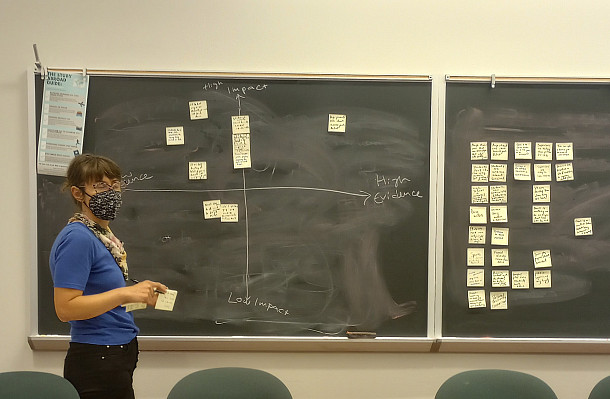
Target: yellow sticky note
{"x":564,"y":171}
{"x":500,"y":279}
{"x":166,"y":301}
{"x":523,"y":150}
{"x":479,"y":194}
{"x":240,"y":124}
{"x":478,"y":215}
{"x":498,"y":213}
{"x":541,"y":193}
{"x":198,"y":170}
{"x":478,"y":150}
{"x":541,"y":214}
{"x":499,"y":151}
{"x":480,"y":173}
{"x":476,"y":299}
{"x":337,"y":123}
{"x":198,"y":109}
{"x":241,"y":151}
{"x":498,"y":194}
{"x":211,"y":209}
{"x":499,"y":236}
{"x":544,"y":151}
{"x":174,"y":135}
{"x":521,"y":280}
{"x":522,"y":171}
{"x":476,"y":234}
{"x":499,"y":257}
{"x":542,"y":279}
{"x":542,"y":258}
{"x":583,"y":227}
{"x":542,"y":172}
{"x":475,"y":256}
{"x":229,"y":213}
{"x":564,"y":151}
{"x":130,"y":307}
{"x":498,"y":300}
{"x":497,"y":172}
{"x":475,"y":278}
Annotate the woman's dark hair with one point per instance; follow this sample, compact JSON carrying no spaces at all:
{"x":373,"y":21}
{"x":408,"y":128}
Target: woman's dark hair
{"x":86,"y":168}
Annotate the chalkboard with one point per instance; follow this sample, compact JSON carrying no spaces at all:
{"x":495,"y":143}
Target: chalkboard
{"x":332,"y":231}
{"x":577,"y":304}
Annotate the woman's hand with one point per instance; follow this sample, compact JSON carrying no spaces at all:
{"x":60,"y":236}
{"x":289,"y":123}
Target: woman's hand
{"x":145,"y":292}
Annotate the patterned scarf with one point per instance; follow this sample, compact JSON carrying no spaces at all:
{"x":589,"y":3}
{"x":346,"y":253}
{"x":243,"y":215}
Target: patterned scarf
{"x":110,"y":241}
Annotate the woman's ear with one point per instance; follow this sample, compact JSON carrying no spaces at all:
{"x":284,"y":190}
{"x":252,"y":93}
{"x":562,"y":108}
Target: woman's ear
{"x":77,"y":193}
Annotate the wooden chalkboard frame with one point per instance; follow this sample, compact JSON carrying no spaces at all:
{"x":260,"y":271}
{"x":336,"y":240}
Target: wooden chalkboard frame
{"x":266,"y":343}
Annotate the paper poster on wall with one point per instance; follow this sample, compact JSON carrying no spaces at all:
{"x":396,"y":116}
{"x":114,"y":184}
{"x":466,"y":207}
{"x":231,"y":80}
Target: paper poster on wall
{"x":62,"y":121}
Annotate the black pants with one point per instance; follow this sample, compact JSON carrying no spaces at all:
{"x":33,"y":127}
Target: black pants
{"x":102,"y":371}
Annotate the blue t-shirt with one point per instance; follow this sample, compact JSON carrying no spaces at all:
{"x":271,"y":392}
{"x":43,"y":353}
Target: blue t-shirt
{"x":80,"y":261}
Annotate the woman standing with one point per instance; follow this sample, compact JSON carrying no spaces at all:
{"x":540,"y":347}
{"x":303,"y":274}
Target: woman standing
{"x":89,"y":269}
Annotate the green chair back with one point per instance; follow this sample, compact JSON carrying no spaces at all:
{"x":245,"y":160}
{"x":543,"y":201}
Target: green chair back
{"x":35,"y":385}
{"x":494,"y":384}
{"x":230,"y":383}
{"x":601,"y":390}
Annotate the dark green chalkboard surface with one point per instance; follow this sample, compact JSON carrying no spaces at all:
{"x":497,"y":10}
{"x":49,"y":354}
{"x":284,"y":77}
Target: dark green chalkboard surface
{"x":333,"y":227}
{"x":577,"y":305}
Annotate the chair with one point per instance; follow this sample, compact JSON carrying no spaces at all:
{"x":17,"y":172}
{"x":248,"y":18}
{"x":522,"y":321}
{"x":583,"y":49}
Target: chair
{"x":230,"y":383}
{"x":601,"y":390}
{"x":35,"y":384}
{"x":494,"y":384}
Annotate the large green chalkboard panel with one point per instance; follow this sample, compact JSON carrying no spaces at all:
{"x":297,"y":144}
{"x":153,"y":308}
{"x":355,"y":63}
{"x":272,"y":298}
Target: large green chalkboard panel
{"x":333,"y":227}
{"x":577,"y":304}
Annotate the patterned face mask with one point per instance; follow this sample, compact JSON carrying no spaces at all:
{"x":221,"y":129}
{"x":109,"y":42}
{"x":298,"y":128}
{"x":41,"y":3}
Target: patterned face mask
{"x":105,"y":205}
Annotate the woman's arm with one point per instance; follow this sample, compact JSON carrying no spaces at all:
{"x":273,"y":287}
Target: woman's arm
{"x":71,"y":304}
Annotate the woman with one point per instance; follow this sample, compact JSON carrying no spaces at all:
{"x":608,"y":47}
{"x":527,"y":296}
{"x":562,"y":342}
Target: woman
{"x":89,"y":269}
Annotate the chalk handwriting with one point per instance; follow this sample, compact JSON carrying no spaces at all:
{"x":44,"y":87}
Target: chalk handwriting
{"x":258,"y":303}
{"x":129,"y":178}
{"x":382,"y":181}
{"x":212,"y":85}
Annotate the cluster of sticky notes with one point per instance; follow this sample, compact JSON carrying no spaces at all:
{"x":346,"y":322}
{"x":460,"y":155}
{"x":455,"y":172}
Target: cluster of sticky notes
{"x":499,"y":151}
{"x":165,"y":301}
{"x":488,"y":205}
{"x":240,"y":127}
{"x":174,"y":135}
{"x":227,"y":213}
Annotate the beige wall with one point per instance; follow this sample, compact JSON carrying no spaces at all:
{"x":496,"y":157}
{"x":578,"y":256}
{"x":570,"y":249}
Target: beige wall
{"x":505,"y":37}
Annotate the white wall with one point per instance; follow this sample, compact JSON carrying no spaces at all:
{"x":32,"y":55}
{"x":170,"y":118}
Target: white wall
{"x":505,"y":37}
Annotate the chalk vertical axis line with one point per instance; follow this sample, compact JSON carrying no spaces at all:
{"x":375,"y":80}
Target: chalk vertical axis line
{"x":243,"y":172}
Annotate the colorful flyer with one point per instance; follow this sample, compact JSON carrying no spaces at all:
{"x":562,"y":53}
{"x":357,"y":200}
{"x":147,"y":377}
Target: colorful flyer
{"x":62,"y":121}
